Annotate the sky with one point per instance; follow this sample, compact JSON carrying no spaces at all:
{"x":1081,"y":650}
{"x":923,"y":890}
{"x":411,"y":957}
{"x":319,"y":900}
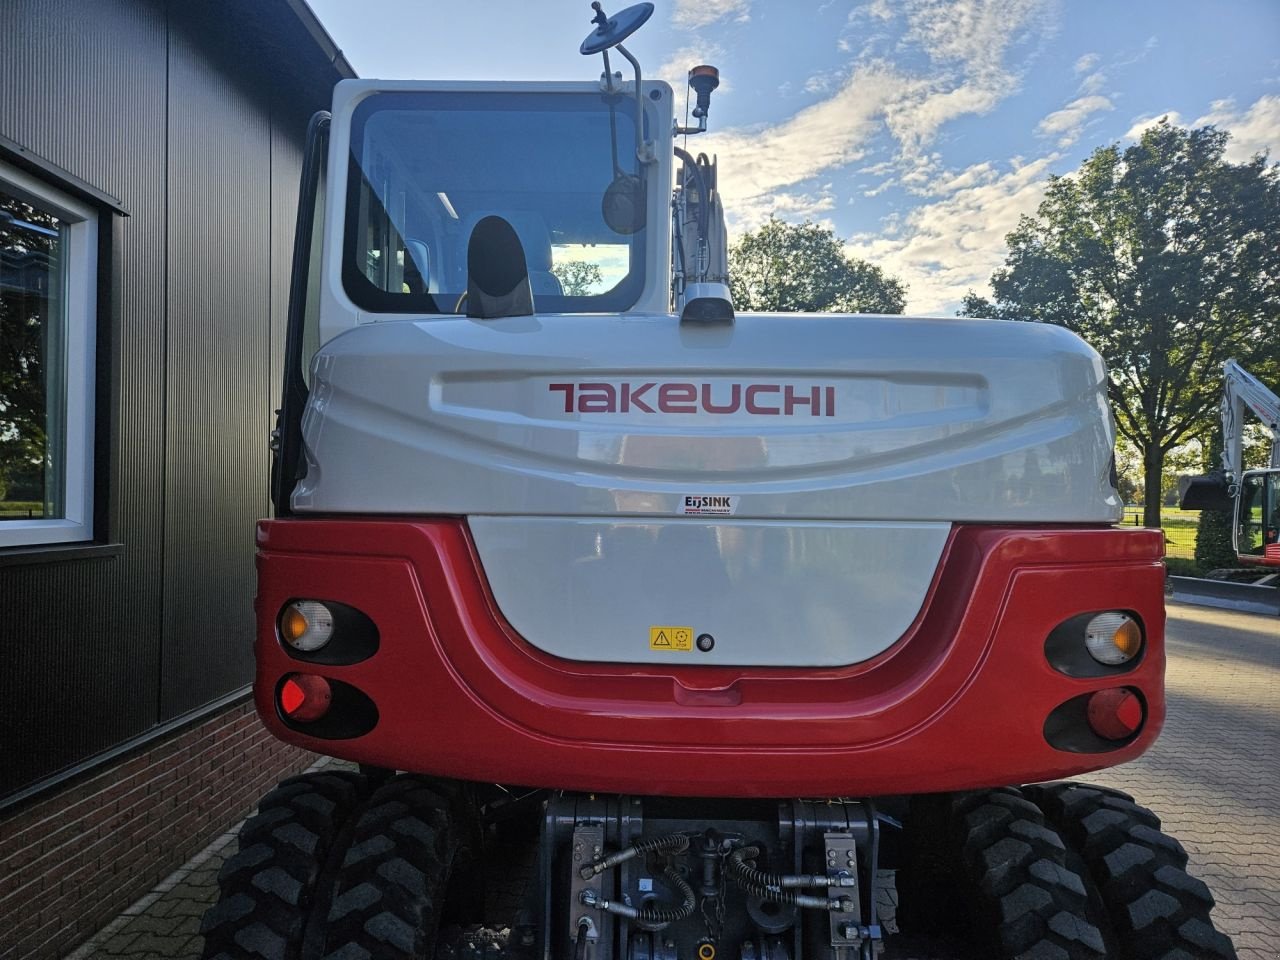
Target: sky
{"x":918,"y":130}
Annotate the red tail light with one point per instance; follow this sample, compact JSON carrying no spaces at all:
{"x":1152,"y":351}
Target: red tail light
{"x":1116,"y":714}
{"x":305,"y":697}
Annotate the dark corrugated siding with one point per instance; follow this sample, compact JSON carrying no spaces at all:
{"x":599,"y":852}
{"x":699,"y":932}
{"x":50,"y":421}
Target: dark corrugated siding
{"x":191,"y":135}
{"x":218,"y":350}
{"x":81,"y":671}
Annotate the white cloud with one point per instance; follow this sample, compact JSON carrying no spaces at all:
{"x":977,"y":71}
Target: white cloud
{"x":1068,"y":123}
{"x":974,"y":34}
{"x":1142,"y":123}
{"x":701,"y":13}
{"x":1094,"y":82}
{"x":758,"y":166}
{"x":822,"y":82}
{"x":960,"y":55}
{"x":1087,"y":63}
{"x":1254,"y":131}
{"x":945,"y":248}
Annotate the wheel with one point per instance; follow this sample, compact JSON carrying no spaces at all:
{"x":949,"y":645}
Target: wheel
{"x":267,"y":891}
{"x":999,"y":876}
{"x":390,"y":886}
{"x":1157,"y":909}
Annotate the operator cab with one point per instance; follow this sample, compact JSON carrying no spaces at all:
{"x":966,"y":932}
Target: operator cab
{"x":1257,"y":526}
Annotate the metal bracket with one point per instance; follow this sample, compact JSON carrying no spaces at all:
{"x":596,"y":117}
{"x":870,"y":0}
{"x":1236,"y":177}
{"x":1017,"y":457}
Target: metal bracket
{"x":587,"y":845}
{"x":842,"y":862}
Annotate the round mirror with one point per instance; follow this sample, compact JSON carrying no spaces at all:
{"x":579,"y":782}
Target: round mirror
{"x":623,"y":204}
{"x":613,"y":30}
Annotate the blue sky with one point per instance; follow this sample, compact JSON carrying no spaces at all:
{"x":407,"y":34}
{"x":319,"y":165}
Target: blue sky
{"x":918,"y":130}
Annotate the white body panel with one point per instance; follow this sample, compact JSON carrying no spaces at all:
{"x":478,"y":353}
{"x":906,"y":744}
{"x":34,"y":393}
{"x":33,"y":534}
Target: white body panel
{"x":934,"y":420}
{"x":768,"y":593}
{"x":583,"y":517}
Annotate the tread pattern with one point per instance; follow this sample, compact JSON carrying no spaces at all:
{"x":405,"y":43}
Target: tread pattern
{"x":266,"y":889}
{"x":387,"y":904}
{"x":1157,"y":909}
{"x":1023,"y":893}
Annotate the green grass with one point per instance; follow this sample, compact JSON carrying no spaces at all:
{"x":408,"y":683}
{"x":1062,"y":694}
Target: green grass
{"x":21,"y":509}
{"x":1180,"y":528}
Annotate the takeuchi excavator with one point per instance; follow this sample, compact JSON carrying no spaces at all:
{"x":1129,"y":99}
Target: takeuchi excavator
{"x":656,"y":629}
{"x":1251,"y":496}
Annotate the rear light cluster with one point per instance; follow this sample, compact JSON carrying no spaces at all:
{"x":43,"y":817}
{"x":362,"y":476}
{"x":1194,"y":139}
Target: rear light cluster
{"x":1094,"y":646}
{"x":1113,"y":638}
{"x":324,"y":632}
{"x":306,"y":625}
{"x":1116,"y":713}
{"x":305,"y":697}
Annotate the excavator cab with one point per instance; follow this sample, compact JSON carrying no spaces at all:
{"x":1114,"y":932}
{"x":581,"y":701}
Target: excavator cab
{"x":1257,"y":526}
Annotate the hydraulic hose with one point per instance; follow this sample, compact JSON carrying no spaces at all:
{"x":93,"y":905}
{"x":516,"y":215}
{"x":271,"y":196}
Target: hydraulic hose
{"x":653,"y":912}
{"x":782,"y":889}
{"x":704,"y":193}
{"x":650,"y":912}
{"x":675,"y":843}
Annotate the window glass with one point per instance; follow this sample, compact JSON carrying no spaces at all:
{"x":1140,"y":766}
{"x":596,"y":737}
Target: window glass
{"x":1258,"y":512}
{"x":48,"y":248}
{"x":32,"y":361}
{"x":427,"y":167}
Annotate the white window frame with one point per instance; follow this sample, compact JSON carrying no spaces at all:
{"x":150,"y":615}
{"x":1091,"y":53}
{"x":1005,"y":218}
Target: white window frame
{"x":80,"y":277}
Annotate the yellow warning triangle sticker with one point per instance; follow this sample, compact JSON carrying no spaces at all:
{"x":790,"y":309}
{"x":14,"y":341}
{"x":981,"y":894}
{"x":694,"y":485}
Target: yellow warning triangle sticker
{"x":661,"y":639}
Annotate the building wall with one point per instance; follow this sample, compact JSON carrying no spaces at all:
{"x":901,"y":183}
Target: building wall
{"x":71,"y":862}
{"x":160,"y":105}
{"x":119,"y":756}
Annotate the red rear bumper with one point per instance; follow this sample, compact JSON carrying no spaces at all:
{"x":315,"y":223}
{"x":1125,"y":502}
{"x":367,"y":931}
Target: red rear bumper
{"x":959,"y":702}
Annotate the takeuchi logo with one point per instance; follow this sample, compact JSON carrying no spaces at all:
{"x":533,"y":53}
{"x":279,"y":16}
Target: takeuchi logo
{"x":657,"y":397}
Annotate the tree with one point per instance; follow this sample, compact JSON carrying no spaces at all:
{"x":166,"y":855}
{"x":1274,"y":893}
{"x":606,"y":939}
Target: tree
{"x":788,"y":267}
{"x":1164,"y":257}
{"x":578,"y":277}
{"x":1214,"y":548}
{"x":28,"y":261}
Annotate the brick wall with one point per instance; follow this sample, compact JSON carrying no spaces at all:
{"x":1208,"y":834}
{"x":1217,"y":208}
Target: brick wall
{"x":71,"y":861}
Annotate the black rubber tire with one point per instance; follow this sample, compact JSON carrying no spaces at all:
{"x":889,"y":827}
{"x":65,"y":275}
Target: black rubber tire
{"x":1003,"y":880}
{"x":266,"y":891}
{"x":1158,"y":911}
{"x":388,"y":902}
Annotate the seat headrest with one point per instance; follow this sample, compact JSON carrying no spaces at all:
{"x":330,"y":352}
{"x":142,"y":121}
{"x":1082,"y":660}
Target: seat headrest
{"x":497,"y":276}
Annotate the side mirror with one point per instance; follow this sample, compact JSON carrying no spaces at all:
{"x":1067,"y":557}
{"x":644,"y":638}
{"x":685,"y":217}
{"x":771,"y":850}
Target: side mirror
{"x":623,"y":204}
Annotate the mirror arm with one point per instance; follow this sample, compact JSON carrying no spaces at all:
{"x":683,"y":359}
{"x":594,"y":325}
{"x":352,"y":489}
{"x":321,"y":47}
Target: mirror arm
{"x":644,"y":150}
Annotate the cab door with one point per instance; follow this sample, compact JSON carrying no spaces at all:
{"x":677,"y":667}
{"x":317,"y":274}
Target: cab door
{"x":1257,"y":527}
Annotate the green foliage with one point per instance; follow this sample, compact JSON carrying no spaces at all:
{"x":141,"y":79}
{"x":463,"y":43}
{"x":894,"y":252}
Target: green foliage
{"x":1213,"y":532}
{"x":1164,"y":257}
{"x":1181,"y":567}
{"x":579,"y":278}
{"x":29,"y":263}
{"x":788,"y":268}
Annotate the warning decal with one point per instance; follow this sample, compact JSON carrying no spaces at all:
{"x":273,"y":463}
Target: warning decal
{"x":671,"y":638}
